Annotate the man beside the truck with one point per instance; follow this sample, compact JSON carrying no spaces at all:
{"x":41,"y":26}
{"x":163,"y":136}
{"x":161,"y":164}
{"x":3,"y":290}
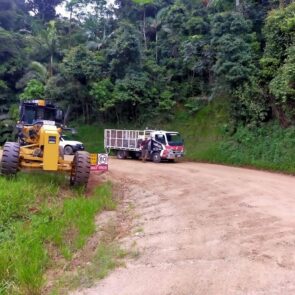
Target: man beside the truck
{"x":145,"y":149}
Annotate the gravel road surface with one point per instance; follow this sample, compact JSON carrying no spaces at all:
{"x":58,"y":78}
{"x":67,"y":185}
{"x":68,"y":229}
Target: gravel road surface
{"x":205,"y":230}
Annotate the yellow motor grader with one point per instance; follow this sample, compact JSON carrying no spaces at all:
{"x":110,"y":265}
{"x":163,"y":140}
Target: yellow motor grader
{"x":39,"y":130}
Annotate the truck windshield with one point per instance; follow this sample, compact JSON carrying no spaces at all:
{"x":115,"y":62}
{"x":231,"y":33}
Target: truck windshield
{"x":174,"y":139}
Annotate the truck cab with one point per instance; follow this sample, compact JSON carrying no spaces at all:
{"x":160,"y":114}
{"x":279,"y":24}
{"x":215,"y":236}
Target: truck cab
{"x":166,"y":145}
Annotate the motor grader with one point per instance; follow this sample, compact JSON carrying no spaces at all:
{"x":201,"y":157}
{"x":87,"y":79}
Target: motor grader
{"x":37,"y":148}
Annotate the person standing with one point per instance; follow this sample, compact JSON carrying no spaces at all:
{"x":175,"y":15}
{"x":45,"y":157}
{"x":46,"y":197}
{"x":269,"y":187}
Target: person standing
{"x":144,"y":149}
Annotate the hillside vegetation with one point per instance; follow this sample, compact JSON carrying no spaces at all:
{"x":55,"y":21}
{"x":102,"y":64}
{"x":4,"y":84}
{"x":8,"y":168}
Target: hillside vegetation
{"x":209,"y":138}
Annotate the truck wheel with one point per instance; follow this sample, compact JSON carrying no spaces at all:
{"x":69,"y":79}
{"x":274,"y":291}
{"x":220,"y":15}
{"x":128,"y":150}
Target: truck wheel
{"x":80,"y":169}
{"x":156,"y":157}
{"x":121,"y":155}
{"x":10,"y":158}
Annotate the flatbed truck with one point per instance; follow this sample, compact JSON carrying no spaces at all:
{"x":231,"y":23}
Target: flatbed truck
{"x":164,"y":145}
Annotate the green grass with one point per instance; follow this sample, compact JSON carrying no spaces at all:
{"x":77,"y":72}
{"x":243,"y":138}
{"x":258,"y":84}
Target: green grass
{"x":42,"y":219}
{"x":92,"y":137}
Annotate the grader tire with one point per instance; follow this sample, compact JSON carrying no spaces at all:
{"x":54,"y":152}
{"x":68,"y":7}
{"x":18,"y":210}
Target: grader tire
{"x":10,"y":158}
{"x":81,"y":169}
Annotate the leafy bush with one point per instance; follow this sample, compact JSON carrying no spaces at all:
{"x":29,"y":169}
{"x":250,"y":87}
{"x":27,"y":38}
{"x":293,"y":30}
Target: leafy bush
{"x":268,"y":147}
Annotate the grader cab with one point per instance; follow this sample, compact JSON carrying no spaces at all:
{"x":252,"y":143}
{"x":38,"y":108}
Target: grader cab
{"x":39,"y":130}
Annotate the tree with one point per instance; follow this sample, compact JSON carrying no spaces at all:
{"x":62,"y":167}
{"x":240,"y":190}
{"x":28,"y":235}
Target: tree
{"x":43,"y":9}
{"x":283,"y":87}
{"x":232,"y":40}
{"x":34,"y":90}
{"x":277,"y":63}
{"x":143,"y":4}
{"x":124,"y":50}
{"x":13,"y":64}
{"x":50,"y":38}
{"x":13,"y":14}
{"x":80,"y":68}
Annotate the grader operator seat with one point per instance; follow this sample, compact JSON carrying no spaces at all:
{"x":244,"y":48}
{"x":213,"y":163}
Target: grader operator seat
{"x":40,"y":128}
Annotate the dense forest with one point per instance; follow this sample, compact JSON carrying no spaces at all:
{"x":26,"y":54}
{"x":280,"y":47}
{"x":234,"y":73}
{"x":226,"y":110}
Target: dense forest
{"x":134,"y":60}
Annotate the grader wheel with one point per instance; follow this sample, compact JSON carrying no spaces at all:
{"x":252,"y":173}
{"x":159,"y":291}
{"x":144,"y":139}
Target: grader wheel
{"x":80,"y":169}
{"x":10,"y":158}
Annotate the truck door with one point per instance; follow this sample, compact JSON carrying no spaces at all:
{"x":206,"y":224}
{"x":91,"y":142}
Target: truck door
{"x":160,"y":138}
{"x":159,"y":142}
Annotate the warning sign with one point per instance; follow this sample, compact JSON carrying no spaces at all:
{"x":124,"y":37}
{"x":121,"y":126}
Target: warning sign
{"x":99,"y":162}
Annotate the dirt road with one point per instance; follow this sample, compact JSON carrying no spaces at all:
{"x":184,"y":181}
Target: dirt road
{"x":205,"y":230}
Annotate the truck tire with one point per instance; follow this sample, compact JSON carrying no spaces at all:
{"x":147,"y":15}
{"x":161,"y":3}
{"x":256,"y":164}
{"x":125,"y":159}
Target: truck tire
{"x":156,"y":157}
{"x":10,"y":158}
{"x":80,"y":169}
{"x":121,"y":155}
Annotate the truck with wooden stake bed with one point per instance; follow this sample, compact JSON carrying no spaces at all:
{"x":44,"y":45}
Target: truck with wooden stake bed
{"x":163,"y":145}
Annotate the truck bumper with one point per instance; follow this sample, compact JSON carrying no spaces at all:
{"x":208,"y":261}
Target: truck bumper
{"x":174,"y":155}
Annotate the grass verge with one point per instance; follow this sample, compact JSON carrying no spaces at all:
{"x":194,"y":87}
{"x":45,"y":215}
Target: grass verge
{"x":42,"y":220}
{"x":106,"y":257}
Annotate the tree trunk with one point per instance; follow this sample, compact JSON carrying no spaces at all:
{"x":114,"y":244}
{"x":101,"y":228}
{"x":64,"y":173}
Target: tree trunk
{"x":51,"y":66}
{"x":87,"y":113}
{"x":67,"y":114}
{"x":70,"y":29}
{"x":156,"y":47}
{"x":144,"y":28}
{"x":83,"y":112}
{"x":117,"y":116}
